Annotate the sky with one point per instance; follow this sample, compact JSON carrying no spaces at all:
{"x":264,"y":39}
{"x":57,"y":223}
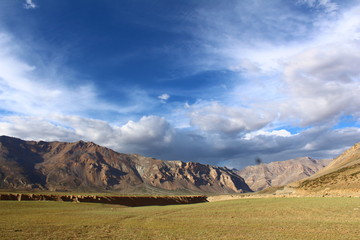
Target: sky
{"x":210,"y":81}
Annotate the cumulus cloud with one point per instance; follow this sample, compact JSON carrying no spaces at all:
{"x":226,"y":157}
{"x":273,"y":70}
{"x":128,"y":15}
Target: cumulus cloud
{"x":35,"y":128}
{"x":277,"y":133}
{"x":317,"y":142}
{"x":151,"y":130}
{"x":148,"y":135}
{"x":153,"y":136}
{"x":29,"y":4}
{"x":229,"y":120}
{"x":324,"y":82}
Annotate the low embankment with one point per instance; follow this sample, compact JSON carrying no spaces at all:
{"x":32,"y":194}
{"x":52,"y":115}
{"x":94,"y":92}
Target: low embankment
{"x":131,"y":201}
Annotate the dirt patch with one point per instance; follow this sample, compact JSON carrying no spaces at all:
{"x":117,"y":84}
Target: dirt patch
{"x":131,"y":201}
{"x":234,"y":196}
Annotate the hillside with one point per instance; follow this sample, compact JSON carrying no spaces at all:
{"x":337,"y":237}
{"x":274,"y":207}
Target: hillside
{"x":280,"y":173}
{"x":85,"y":166}
{"x":341,"y":176}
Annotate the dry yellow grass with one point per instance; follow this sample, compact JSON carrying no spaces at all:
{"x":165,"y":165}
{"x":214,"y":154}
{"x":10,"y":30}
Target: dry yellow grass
{"x":268,"y":218}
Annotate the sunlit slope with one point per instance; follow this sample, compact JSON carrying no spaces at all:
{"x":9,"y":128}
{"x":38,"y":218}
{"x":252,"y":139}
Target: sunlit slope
{"x":281,"y":173}
{"x":342,"y":174}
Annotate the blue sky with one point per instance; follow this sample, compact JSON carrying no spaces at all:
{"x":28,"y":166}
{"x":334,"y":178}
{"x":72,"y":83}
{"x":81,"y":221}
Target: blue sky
{"x":218,"y":82}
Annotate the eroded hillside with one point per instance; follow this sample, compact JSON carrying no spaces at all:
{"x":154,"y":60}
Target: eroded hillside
{"x":85,"y":166}
{"x":262,"y":176}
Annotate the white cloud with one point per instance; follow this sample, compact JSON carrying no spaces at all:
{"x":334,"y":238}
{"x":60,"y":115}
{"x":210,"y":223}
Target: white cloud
{"x":36,"y":106}
{"x":317,"y":142}
{"x":154,"y":137}
{"x":87,"y":129}
{"x":324,"y":82}
{"x":247,"y":35}
{"x":164,"y":97}
{"x":150,"y":130}
{"x":35,"y":128}
{"x":146,"y":135}
{"x":27,"y":90}
{"x":29,"y":4}
{"x":149,"y":134}
{"x":215,"y":117}
{"x":276,"y":133}
{"x":305,"y":74}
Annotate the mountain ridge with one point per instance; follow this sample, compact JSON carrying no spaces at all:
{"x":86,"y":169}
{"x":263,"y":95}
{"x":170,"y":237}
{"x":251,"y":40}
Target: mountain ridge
{"x":340,"y":177}
{"x":86,"y":166}
{"x":280,"y":173}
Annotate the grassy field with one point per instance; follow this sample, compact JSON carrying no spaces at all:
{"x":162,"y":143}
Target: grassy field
{"x":267,"y":218}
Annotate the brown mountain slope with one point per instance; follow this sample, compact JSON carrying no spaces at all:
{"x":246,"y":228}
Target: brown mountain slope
{"x":85,"y":166}
{"x":341,"y":176}
{"x":280,"y":173}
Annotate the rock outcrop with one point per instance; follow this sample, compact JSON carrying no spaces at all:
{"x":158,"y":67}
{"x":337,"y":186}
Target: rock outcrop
{"x":281,"y":173}
{"x":86,"y":166}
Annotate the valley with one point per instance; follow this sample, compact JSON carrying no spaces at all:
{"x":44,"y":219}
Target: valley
{"x":56,"y":190}
{"x":250,"y":219}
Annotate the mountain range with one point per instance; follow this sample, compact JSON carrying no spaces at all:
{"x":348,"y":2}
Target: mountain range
{"x":280,"y":173}
{"x":86,"y":166}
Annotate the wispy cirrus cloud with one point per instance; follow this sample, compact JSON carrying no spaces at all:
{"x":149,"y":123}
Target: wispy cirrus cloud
{"x":28,"y":89}
{"x":327,"y":5}
{"x":23,"y":92}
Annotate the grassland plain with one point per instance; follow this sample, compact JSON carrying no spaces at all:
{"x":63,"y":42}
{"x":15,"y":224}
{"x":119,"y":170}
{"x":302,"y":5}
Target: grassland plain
{"x":262,"y":218}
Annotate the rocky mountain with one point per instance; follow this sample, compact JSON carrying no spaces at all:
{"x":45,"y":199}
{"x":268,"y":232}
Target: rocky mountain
{"x":85,"y":166}
{"x":280,"y":173}
{"x":341,"y":176}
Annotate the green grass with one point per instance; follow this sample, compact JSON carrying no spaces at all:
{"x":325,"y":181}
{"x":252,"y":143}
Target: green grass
{"x":267,"y":218}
